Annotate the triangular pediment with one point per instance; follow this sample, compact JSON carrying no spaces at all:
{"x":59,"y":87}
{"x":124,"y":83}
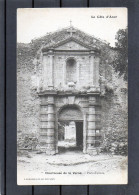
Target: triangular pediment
{"x":66,"y":39}
{"x":71,"y":44}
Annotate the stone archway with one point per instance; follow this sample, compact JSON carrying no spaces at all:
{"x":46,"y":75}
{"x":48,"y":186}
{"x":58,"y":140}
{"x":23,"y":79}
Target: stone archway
{"x":70,"y":112}
{"x":70,"y":117}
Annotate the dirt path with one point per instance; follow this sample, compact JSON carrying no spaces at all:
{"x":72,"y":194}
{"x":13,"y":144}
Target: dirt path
{"x":82,"y":164}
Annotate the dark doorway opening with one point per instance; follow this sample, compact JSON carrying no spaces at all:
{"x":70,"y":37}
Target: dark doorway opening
{"x":70,"y":136}
{"x":79,"y":135}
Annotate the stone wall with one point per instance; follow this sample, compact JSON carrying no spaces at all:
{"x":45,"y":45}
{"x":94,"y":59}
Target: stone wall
{"x":114,"y":106}
{"x":83,"y":61}
{"x":28,"y":103}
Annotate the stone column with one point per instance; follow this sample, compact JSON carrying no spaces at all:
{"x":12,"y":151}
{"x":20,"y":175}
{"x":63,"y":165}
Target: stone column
{"x":97,"y":71}
{"x":92,"y":69}
{"x":47,"y":125}
{"x":84,"y":133}
{"x":50,"y":140}
{"x":64,"y":74}
{"x":44,"y":79}
{"x":50,"y":69}
{"x":78,"y":73}
{"x":56,"y":132}
{"x":91,"y":126}
{"x":43,"y":123}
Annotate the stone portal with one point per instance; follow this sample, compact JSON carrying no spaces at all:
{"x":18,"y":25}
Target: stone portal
{"x":70,"y":93}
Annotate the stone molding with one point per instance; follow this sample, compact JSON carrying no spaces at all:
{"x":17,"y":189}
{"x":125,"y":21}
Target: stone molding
{"x":80,"y":42}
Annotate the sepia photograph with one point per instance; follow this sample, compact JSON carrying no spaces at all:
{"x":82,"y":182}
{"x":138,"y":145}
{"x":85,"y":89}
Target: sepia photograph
{"x":72,"y":96}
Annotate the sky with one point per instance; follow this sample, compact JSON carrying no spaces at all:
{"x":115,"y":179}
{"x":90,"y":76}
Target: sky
{"x":102,"y":23}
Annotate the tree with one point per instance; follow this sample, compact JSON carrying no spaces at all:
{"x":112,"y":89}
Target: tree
{"x":120,"y":62}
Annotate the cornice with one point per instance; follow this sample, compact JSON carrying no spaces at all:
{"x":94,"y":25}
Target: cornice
{"x":68,"y":39}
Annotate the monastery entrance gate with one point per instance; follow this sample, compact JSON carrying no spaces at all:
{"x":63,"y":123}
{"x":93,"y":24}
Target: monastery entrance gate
{"x":69,"y":89}
{"x":82,"y":108}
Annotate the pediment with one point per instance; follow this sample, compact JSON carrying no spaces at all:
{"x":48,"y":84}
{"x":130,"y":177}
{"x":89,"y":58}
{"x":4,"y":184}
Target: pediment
{"x":71,"y":45}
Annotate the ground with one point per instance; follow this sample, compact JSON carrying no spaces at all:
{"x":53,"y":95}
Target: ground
{"x":36,"y":168}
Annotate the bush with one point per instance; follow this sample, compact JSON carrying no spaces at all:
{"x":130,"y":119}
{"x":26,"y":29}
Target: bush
{"x":115,"y":143}
{"x":27,"y":142}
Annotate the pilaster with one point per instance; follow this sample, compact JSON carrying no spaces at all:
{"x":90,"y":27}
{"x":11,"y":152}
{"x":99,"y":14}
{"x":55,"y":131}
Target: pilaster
{"x":51,"y":141}
{"x":43,"y":124}
{"x":97,"y":61}
{"x":92,"y":70}
{"x":93,"y":127}
{"x":47,"y":125}
{"x":51,"y":69}
{"x":45,"y":72}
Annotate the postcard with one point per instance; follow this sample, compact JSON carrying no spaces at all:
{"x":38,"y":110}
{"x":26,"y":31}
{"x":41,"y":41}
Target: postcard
{"x":72,"y":108}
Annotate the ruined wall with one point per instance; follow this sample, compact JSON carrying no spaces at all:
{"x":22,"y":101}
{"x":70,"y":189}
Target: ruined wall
{"x":114,"y":108}
{"x":27,"y":99}
{"x":114,"y":103}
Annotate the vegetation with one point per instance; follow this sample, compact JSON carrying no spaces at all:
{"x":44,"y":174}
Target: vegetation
{"x":115,"y":143}
{"x":120,"y":62}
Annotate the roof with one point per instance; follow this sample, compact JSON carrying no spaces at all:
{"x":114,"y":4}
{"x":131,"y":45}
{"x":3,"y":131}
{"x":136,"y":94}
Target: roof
{"x":60,"y":36}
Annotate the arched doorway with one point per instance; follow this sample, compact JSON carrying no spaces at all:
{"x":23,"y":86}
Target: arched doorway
{"x":70,"y":128}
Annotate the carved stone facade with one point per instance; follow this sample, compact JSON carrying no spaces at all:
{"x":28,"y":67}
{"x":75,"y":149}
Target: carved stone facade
{"x":70,"y":80}
{"x":67,"y":76}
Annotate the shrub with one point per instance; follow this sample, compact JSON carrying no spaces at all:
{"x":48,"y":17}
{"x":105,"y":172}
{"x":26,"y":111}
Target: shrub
{"x":115,"y":143}
{"x":27,"y":142}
